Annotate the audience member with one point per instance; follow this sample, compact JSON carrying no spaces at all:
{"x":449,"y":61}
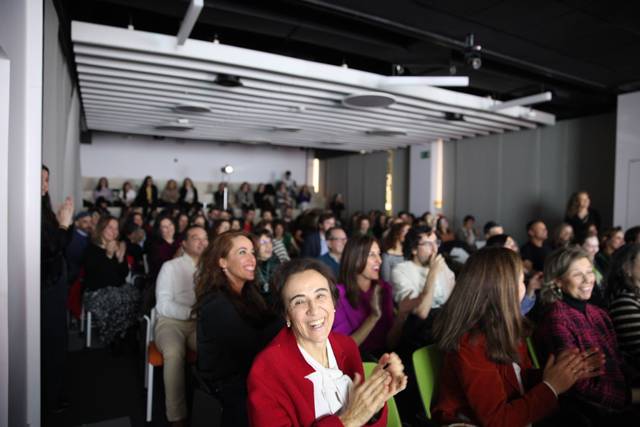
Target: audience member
{"x":303,"y":198}
{"x":249,"y":215}
{"x":283,"y":197}
{"x":188,"y":195}
{"x":487,"y":377}
{"x":365,"y":308}
{"x":244,"y":197}
{"x":580,"y":215}
{"x":467,"y":233}
{"x":170,"y":194}
{"x":128,"y":194}
{"x":632,"y":235}
{"x":337,"y":206}
{"x":164,"y":245}
{"x":623,"y":294}
{"x":315,"y":243}
{"x":220,"y":226}
{"x":612,"y":239}
{"x":562,"y":236}
{"x":571,"y":322}
{"x":443,"y":231}
{"x":218,"y":196}
{"x":336,"y":240}
{"x":54,"y":238}
{"x":492,"y":228}
{"x":75,"y":251}
{"x":289,"y":183}
{"x":147,"y":197}
{"x":307,"y":351}
{"x":392,"y":248}
{"x":112,"y":302}
{"x":267,"y":262}
{"x":175,"y":329}
{"x":236,"y":224}
{"x":103,"y":190}
{"x":183,"y":223}
{"x":233,"y":321}
{"x":536,"y":249}
{"x":362,"y":226}
{"x":258,"y":198}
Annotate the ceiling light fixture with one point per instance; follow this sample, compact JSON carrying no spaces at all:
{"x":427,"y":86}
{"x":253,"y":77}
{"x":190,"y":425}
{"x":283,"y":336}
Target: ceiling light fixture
{"x":453,"y":117}
{"x":227,"y":169}
{"x":472,"y":52}
{"x":192,"y":107}
{"x":385,"y":132}
{"x":286,"y":129}
{"x":179,"y":125}
{"x":228,"y":80}
{"x":368,"y":100}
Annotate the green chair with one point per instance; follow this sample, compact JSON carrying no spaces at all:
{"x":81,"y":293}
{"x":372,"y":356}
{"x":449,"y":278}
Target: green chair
{"x":532,"y":353}
{"x":393,"y":417}
{"x":426,"y":364}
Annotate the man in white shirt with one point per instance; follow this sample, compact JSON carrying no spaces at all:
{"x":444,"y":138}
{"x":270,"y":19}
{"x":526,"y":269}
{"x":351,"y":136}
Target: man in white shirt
{"x":424,"y":274}
{"x":176,"y":328}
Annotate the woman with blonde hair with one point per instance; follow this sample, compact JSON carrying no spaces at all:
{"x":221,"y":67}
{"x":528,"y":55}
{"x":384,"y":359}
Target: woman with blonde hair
{"x":487,"y":377}
{"x":571,"y":322}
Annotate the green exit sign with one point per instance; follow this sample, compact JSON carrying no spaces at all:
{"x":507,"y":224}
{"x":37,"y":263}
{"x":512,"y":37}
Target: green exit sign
{"x":425,"y":154}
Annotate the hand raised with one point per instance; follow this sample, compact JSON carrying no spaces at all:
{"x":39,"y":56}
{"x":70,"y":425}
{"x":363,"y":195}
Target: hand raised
{"x":366,"y":398}
{"x":562,"y":372}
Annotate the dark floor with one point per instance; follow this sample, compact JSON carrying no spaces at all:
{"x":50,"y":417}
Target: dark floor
{"x":106,"y":388}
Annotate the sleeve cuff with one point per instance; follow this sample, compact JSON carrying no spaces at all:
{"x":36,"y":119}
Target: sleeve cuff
{"x":552,"y":389}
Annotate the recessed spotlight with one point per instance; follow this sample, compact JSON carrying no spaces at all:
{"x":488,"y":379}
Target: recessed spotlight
{"x":286,"y":129}
{"x":228,"y":80}
{"x":453,"y":117}
{"x":192,"y":107}
{"x":386,"y":132}
{"x":368,"y":100}
{"x":179,"y":125}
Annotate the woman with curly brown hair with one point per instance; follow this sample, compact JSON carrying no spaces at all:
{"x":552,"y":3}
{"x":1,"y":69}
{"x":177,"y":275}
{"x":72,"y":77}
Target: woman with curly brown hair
{"x":234,"y":322}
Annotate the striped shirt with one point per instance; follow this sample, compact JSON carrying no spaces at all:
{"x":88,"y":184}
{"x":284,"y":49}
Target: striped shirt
{"x":625,"y":313}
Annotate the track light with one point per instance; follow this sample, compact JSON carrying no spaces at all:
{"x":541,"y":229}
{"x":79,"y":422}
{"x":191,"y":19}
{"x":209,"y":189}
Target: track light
{"x":228,"y":80}
{"x":227,"y":169}
{"x":472,"y":52}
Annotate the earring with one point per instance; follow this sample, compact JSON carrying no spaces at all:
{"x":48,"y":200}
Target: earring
{"x":288,"y":324}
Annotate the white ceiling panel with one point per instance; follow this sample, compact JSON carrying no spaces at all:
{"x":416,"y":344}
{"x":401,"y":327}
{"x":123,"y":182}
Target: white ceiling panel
{"x":130,"y":82}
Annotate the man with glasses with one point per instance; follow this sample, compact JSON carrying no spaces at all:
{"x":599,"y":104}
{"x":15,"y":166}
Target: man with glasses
{"x":336,"y":240}
{"x":424,"y":274}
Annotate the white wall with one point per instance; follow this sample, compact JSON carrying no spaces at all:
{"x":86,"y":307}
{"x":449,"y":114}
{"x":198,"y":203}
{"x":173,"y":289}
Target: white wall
{"x":122,"y":156}
{"x":21,"y":39}
{"x":626,"y":211}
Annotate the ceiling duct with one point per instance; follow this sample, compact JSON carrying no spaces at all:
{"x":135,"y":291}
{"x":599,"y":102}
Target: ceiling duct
{"x":367,"y":100}
{"x":228,"y":80}
{"x":192,"y":107}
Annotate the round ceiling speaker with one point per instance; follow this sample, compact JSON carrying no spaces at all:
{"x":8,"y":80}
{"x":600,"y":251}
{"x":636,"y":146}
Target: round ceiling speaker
{"x":192,"y":107}
{"x":368,"y":100}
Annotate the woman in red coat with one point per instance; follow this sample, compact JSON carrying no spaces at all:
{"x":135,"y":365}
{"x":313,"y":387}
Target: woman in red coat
{"x":309,"y":376}
{"x":486,"y":378}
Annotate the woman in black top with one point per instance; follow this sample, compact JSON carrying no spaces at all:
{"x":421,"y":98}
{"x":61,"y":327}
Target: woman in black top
{"x":580,"y":215}
{"x":234,"y":323}
{"x":188,"y":195}
{"x":112,"y":302}
{"x":54,"y":238}
{"x":147,"y":195}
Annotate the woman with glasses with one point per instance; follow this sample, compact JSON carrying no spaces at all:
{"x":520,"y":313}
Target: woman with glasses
{"x":572,"y":322}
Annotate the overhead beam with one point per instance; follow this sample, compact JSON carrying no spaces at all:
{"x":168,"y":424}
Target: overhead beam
{"x":527,"y":100}
{"x":189,"y":21}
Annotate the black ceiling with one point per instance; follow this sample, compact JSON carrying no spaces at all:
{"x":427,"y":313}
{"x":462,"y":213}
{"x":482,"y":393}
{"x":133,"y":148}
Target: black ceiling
{"x":585,"y":52}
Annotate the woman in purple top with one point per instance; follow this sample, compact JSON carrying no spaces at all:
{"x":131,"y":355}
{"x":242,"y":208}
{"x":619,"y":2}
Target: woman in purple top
{"x":365,"y":305}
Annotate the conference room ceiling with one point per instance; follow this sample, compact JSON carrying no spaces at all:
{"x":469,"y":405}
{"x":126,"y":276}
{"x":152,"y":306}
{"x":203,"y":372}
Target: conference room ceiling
{"x":580,"y":51}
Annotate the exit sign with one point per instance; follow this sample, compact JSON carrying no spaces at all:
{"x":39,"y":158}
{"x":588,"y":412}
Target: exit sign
{"x":425,"y":154}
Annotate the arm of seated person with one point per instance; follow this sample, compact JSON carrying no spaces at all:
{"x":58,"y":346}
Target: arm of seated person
{"x":165,"y":296}
{"x":483,"y":387}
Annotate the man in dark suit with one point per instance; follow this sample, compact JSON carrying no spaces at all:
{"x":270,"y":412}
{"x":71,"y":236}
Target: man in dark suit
{"x":315,"y":243}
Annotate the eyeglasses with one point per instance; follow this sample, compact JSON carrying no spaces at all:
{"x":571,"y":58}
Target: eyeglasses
{"x":341,"y":239}
{"x":265,"y":241}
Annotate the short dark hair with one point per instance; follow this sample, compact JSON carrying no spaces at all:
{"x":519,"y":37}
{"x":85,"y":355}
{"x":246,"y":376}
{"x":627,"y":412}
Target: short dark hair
{"x":497,"y":241}
{"x":325,"y":216}
{"x":489,"y":225}
{"x":299,"y":265}
{"x":412,"y":240}
{"x":262,"y":232}
{"x":191,"y":228}
{"x":533,"y":222}
{"x":327,"y":234}
{"x":631,"y":235}
{"x":468,"y":218}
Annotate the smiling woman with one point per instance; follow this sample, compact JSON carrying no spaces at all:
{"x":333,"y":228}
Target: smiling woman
{"x":309,"y":375}
{"x":234,"y":323}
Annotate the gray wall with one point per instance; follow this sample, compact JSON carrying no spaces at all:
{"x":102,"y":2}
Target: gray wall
{"x":400,"y":180}
{"x":517,"y":176}
{"x":21,"y":40}
{"x":60,"y":117}
{"x":627,"y":194}
{"x":361,"y":178}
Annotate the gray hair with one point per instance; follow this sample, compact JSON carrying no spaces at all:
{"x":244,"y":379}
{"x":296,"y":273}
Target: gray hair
{"x":555,"y":266}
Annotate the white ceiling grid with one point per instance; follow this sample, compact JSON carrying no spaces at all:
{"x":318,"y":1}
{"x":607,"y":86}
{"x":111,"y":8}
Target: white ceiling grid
{"x":131,"y":81}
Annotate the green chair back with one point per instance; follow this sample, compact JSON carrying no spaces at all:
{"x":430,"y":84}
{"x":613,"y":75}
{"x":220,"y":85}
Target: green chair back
{"x":393,"y":417}
{"x":532,"y":353}
{"x":426,"y":364}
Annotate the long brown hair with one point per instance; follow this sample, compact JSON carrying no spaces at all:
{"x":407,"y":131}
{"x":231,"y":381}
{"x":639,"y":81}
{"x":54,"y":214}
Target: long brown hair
{"x":485,"y":302}
{"x":392,"y":238}
{"x":573,"y":205}
{"x":96,"y":236}
{"x":211,"y":280}
{"x":352,"y":263}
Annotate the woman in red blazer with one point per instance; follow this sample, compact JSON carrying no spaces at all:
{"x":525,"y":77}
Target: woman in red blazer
{"x":309,"y":376}
{"x":487,"y":378}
